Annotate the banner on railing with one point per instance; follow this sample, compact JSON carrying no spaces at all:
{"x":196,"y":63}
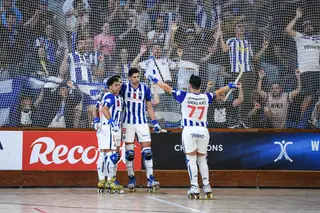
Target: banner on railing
{"x":10,"y":150}
{"x":233,"y":151}
{"x":52,"y":150}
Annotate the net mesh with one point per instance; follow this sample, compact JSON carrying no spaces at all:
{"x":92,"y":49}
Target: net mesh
{"x":56,"y":56}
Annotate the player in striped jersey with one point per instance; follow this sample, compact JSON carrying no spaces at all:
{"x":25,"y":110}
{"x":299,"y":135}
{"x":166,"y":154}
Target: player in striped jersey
{"x":108,"y":126}
{"x":195,"y":135}
{"x":137,"y":98}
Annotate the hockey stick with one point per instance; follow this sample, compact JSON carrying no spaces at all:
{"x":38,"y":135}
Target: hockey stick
{"x":236,"y":81}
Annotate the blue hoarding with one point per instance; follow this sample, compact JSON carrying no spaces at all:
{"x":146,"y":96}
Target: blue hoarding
{"x":232,"y":151}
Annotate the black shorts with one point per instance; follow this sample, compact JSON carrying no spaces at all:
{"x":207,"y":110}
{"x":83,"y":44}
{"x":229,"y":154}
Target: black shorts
{"x":310,"y":82}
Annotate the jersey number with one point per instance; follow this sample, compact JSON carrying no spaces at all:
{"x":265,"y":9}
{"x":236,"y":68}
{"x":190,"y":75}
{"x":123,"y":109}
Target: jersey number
{"x":194,"y":108}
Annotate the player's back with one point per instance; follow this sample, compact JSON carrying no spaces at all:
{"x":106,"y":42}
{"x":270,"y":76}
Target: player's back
{"x":115,"y":104}
{"x":194,"y":107}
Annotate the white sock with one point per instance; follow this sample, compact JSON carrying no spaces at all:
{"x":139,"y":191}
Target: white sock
{"x":101,"y":166}
{"x":109,"y":167}
{"x":148,"y":164}
{"x":129,"y":164}
{"x":204,"y":169}
{"x":192,"y":169}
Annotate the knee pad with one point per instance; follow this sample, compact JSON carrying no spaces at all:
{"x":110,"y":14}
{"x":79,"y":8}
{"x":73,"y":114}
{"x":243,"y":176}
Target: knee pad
{"x":115,"y":158}
{"x":147,"y":154}
{"x":130,"y":155}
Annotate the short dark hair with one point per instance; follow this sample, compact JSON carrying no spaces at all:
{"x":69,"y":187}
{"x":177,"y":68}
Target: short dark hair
{"x":133,"y":71}
{"x":113,"y":79}
{"x":195,"y":81}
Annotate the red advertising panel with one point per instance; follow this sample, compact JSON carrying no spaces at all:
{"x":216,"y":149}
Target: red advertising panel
{"x":66,"y":151}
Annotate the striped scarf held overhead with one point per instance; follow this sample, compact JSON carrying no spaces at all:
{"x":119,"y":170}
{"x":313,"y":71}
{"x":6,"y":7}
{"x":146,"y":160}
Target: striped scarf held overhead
{"x":77,"y":60}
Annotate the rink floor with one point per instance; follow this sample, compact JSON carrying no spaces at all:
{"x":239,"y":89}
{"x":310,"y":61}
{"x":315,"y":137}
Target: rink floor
{"x":233,"y":200}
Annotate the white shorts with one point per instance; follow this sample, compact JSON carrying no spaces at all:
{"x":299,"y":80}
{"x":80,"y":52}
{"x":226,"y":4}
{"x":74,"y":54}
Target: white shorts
{"x":130,"y":130}
{"x":108,"y":139}
{"x":195,"y":138}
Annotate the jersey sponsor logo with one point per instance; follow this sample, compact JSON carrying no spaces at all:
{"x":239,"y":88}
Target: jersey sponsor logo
{"x":195,"y":135}
{"x":64,"y":151}
{"x":308,"y":47}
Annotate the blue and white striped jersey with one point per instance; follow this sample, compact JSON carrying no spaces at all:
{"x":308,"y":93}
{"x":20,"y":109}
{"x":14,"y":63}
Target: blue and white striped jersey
{"x":194,"y":107}
{"x":115,"y":105}
{"x":135,"y":103}
{"x":240,"y":53}
{"x":81,"y":67}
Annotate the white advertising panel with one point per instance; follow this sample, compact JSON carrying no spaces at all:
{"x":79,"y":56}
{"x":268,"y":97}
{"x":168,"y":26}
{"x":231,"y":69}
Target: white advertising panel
{"x":10,"y":150}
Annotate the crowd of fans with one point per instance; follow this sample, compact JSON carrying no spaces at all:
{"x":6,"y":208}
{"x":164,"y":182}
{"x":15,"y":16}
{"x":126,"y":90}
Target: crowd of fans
{"x":214,"y":39}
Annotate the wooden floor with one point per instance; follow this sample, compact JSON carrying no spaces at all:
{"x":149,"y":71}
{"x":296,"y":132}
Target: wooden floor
{"x":78,"y":200}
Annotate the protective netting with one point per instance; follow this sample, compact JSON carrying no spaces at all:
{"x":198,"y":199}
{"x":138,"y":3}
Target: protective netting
{"x":56,"y":56}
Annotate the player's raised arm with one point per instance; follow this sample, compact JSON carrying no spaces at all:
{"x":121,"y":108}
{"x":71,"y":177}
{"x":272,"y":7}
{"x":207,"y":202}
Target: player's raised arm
{"x":225,"y":89}
{"x":161,"y":84}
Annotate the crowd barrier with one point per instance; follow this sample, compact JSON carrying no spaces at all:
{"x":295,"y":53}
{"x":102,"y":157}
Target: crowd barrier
{"x":236,"y":158}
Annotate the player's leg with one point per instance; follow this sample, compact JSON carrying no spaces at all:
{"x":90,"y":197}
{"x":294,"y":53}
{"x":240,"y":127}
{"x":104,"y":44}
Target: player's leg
{"x":128,"y":138}
{"x":190,"y":149}
{"x":101,"y":163}
{"x":118,"y":141}
{"x":112,"y":158}
{"x":203,"y":142}
{"x":144,"y":137}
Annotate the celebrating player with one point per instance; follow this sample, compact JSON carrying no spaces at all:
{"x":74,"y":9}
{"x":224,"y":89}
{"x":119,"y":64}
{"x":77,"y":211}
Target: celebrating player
{"x":137,"y":99}
{"x":195,"y":135}
{"x":108,"y":125}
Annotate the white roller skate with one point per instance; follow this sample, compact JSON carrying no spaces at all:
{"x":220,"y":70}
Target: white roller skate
{"x":194,"y":193}
{"x":132,"y":183}
{"x":152,"y":184}
{"x":101,"y":186}
{"x":208,"y":191}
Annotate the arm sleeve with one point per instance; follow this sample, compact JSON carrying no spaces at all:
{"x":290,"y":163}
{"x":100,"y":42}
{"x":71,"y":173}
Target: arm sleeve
{"x":108,"y":100}
{"x":211,"y":97}
{"x":179,"y":95}
{"x":147,"y":93}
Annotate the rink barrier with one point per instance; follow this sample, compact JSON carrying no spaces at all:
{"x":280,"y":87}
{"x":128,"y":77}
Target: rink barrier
{"x":14,"y":175}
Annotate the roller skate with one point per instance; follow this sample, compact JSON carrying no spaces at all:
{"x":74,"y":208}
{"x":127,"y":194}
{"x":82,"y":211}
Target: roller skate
{"x":116,"y":188}
{"x":194,"y":193}
{"x":132,"y":183}
{"x":208,"y":191}
{"x":101,"y":186}
{"x":152,"y":184}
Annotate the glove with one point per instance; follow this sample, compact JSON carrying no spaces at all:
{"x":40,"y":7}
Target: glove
{"x":156,"y":126}
{"x":114,"y":127}
{"x":96,"y":123}
{"x":153,"y":79}
{"x":232,"y":85}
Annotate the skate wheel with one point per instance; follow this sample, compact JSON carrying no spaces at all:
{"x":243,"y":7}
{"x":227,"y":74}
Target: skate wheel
{"x":100,"y":191}
{"x":209,"y":196}
{"x":150,"y":190}
{"x":132,"y":190}
{"x":108,"y":191}
{"x":116,"y":191}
